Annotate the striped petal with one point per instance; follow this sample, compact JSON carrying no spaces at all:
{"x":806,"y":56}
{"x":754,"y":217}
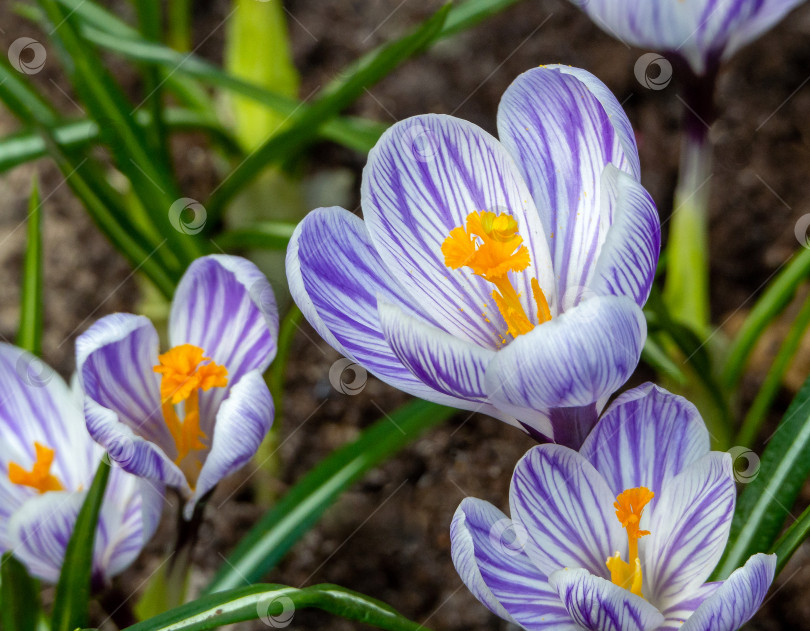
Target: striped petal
{"x":115,"y":359}
{"x":629,"y":254}
{"x":689,"y":529}
{"x":422,"y":180}
{"x":645,"y":438}
{"x":40,"y":530}
{"x":737,"y":599}
{"x":336,"y":278}
{"x":225,"y":306}
{"x":488,"y":555}
{"x":574,"y":360}
{"x":446,"y":363}
{"x":565,"y":507}
{"x":701,"y":31}
{"x":243,"y":420}
{"x":597,"y":604}
{"x":36,"y":406}
{"x":563,"y":127}
{"x":679,"y":612}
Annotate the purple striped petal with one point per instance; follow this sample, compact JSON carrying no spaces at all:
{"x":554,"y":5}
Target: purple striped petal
{"x":689,"y":528}
{"x":40,"y":530}
{"x":445,"y":363}
{"x":225,"y":306}
{"x":566,"y":509}
{"x":737,"y":599}
{"x":629,"y":254}
{"x":37,"y":406}
{"x":598,"y":605}
{"x":115,"y":359}
{"x":422,"y":180}
{"x":645,"y":438}
{"x":701,"y":31}
{"x":243,"y":420}
{"x":336,"y":278}
{"x":676,"y":614}
{"x":574,"y":360}
{"x":563,"y":127}
{"x":488,"y":555}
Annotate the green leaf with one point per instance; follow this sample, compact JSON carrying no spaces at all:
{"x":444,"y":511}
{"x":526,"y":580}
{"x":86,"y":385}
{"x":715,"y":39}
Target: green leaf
{"x":332,"y":100}
{"x":467,"y":14}
{"x":275,"y":605}
{"x":72,"y":599}
{"x":270,"y":235}
{"x":790,"y":541}
{"x":24,"y":146}
{"x":656,"y":358}
{"x":758,"y":411}
{"x":29,"y":335}
{"x":271,"y":538}
{"x":766,"y":501}
{"x":19,"y":595}
{"x":775,"y":298}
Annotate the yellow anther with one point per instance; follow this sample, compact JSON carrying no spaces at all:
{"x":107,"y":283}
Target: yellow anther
{"x":489,"y":244}
{"x":40,"y":477}
{"x":629,"y":507}
{"x":185,"y":371}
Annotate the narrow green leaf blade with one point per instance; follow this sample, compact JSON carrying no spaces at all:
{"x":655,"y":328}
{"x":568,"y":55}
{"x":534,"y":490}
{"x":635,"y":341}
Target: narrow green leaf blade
{"x":29,"y":335}
{"x":297,"y":512}
{"x":270,"y":235}
{"x":766,"y":502}
{"x":276,"y":605}
{"x":70,"y":607}
{"x":790,"y":541}
{"x":333,"y":99}
{"x":19,"y":595}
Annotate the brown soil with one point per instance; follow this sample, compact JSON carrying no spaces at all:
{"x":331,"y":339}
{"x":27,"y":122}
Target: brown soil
{"x":388,"y":537}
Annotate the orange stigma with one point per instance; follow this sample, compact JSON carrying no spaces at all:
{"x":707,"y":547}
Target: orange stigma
{"x":489,"y":244}
{"x":185,"y":371}
{"x":39,"y":477}
{"x":629,"y":506}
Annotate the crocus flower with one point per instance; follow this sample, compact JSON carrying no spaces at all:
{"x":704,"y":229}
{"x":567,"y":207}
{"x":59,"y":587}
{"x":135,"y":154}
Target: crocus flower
{"x":701,"y":32}
{"x":621,"y":535}
{"x":505,"y":277}
{"x":47,"y":463}
{"x":198,"y":412}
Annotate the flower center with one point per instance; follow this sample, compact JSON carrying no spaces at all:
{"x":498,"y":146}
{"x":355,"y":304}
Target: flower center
{"x":489,"y":244}
{"x":185,"y":371}
{"x":629,"y":507}
{"x":39,"y":477}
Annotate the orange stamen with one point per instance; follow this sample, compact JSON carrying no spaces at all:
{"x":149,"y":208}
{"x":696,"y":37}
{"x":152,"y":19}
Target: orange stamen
{"x":39,"y":477}
{"x":629,"y":507}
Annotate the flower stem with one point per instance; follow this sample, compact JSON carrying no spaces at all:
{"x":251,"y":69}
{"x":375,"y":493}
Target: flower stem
{"x":686,"y":289}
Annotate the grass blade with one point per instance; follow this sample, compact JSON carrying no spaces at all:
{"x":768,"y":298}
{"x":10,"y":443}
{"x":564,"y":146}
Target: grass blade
{"x":275,"y":606}
{"x":19,"y":595}
{"x":29,"y":335}
{"x":72,"y":599}
{"x":765,"y":504}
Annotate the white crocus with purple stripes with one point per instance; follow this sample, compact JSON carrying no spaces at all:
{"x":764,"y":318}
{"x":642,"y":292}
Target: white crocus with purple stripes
{"x":702,"y":32}
{"x":504,"y":277}
{"x":198,"y":412}
{"x":47,"y":463}
{"x":620,"y":536}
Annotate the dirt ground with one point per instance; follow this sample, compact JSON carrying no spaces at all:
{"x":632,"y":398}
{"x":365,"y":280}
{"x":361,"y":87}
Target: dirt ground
{"x":388,"y":536}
